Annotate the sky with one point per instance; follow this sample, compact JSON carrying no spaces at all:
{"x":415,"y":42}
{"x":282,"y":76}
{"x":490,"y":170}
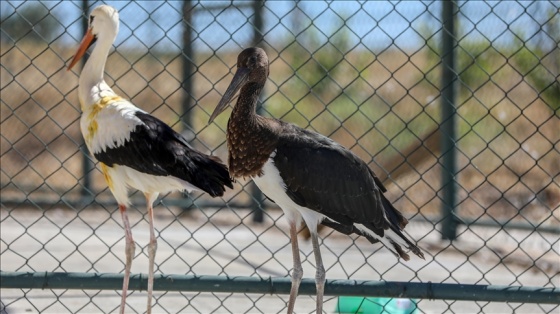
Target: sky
{"x":372,"y":24}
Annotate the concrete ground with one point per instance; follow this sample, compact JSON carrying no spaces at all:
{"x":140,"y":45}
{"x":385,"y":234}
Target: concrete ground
{"x":226,"y":242}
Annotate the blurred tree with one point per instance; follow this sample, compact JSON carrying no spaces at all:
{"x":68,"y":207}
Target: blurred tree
{"x":475,"y":60}
{"x":321,"y":69}
{"x":31,"y":21}
{"x":314,"y":54}
{"x":540,"y":62}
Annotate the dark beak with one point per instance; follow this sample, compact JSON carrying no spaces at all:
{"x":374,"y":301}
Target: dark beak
{"x":88,"y":40}
{"x":239,"y":80}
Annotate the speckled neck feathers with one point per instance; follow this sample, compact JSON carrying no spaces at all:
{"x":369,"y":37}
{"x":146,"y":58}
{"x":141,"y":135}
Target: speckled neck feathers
{"x":251,"y":138}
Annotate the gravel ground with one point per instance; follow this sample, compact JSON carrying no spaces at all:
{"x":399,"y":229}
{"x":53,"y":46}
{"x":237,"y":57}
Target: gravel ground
{"x":92,"y":241}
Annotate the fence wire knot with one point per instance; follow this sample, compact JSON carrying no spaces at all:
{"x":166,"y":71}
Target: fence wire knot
{"x":45,"y":281}
{"x":430,"y":291}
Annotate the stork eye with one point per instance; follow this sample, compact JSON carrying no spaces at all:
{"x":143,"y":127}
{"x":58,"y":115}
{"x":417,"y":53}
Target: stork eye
{"x":252,"y":60}
{"x":91,"y":19}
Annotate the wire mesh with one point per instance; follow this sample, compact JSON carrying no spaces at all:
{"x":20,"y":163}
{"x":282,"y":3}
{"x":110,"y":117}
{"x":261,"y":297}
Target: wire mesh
{"x":367,"y":74}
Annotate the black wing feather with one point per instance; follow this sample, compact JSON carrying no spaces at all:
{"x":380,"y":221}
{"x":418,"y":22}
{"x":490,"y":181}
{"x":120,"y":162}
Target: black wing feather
{"x":324,"y":176}
{"x":155,"y":148}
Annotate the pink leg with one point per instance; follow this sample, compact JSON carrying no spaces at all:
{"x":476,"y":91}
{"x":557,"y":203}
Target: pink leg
{"x":320,"y":274}
{"x":152,"y":248}
{"x":297,"y":272}
{"x":129,"y":250}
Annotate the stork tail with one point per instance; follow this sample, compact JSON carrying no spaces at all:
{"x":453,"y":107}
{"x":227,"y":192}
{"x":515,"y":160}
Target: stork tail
{"x":211,"y":175}
{"x":397,"y":223}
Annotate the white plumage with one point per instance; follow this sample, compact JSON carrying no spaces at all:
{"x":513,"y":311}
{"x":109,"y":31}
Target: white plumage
{"x":118,"y":121}
{"x":272,"y":184}
{"x":135,"y":149}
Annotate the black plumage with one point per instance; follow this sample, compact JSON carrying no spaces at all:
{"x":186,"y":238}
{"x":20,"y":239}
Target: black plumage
{"x":155,"y":148}
{"x":324,"y":176}
{"x":309,"y":175}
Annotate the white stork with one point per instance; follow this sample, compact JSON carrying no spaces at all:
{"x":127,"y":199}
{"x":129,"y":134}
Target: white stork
{"x":135,"y":149}
{"x":307,"y":174}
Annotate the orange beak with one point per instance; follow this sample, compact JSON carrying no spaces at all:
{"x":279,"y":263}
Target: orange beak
{"x":88,"y":40}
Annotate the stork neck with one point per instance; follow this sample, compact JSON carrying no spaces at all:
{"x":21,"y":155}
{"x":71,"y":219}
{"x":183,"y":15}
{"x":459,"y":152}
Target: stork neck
{"x":245,"y":110}
{"x":251,"y":138}
{"x":91,"y":79}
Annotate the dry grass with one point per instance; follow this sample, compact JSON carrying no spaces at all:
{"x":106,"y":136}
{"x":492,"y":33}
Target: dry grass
{"x":508,"y":154}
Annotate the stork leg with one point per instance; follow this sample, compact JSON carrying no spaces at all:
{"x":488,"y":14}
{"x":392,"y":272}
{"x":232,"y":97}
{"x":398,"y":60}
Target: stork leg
{"x":152,"y":247}
{"x":129,"y":251}
{"x":297,"y":272}
{"x":320,"y":274}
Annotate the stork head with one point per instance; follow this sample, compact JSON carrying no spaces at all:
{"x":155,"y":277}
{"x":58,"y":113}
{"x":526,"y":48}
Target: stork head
{"x":103,"y":25}
{"x":252,"y":67}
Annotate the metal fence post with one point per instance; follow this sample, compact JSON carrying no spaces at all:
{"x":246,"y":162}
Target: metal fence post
{"x":257,"y":204}
{"x":87,"y":164}
{"x":188,"y":70}
{"x":187,"y":83}
{"x":448,"y":111}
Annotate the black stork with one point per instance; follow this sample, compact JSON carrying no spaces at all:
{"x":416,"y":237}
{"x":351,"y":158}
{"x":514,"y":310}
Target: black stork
{"x":135,"y":149}
{"x":307,"y":174}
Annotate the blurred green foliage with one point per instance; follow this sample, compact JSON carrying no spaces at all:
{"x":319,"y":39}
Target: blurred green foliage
{"x":31,"y":22}
{"x":540,"y":63}
{"x":480,"y":61}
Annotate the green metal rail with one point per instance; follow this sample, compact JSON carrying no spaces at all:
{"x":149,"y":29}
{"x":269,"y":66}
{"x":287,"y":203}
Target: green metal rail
{"x":414,"y":290}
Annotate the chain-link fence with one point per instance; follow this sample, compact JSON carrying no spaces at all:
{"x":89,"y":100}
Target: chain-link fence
{"x":455,"y":105}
